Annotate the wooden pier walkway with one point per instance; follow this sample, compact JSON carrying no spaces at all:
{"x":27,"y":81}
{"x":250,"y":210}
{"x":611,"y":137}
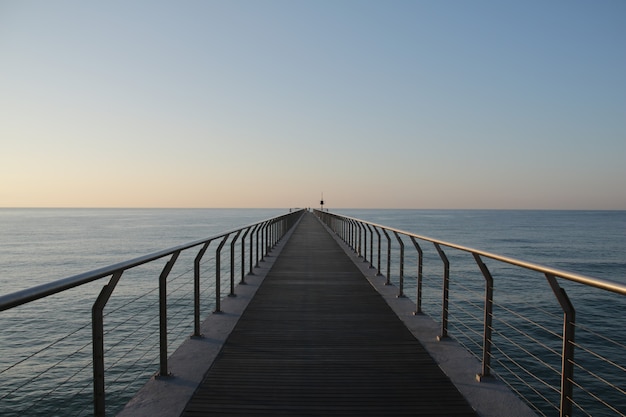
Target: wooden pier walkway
{"x":318,"y":339}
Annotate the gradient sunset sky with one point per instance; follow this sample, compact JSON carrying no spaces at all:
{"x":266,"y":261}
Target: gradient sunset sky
{"x":377,"y":104}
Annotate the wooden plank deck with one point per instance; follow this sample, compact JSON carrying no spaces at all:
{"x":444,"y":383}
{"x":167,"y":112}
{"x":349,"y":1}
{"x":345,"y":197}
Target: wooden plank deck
{"x":317,"y":339}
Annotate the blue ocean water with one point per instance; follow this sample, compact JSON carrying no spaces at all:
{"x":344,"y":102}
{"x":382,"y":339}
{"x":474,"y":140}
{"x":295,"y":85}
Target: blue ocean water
{"x":42,"y":245}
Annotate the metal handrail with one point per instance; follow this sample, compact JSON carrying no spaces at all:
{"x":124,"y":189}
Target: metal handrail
{"x":349,"y":229}
{"x":270,"y":231}
{"x":602,"y":284}
{"x":28,"y":295}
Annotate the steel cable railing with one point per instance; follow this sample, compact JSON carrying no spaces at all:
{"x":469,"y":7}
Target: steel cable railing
{"x":123,"y":340}
{"x":540,"y":352}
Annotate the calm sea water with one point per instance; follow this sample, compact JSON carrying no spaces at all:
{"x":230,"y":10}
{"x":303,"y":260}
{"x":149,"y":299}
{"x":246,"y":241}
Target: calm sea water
{"x":41,"y":245}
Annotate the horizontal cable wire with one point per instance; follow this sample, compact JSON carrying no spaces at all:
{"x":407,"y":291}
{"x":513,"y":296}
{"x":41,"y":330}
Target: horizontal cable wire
{"x":526,"y":384}
{"x":600,"y":357}
{"x":45,"y":371}
{"x":526,"y":319}
{"x":55,"y":342}
{"x":539,"y":360}
{"x":599,"y":378}
{"x":527,"y":336}
{"x":600,"y":400}
{"x":33,"y":404}
{"x":522,"y":380}
{"x":519,"y":366}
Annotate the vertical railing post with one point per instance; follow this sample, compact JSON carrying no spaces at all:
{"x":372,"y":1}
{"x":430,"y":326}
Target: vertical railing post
{"x":420,"y":263}
{"x":196,"y":289}
{"x":378,"y":260}
{"x":279,"y":231}
{"x":446,"y":290}
{"x":360,"y":240}
{"x":258,"y":232}
{"x":268,"y":237}
{"x":243,"y":256}
{"x":163,"y":372}
{"x":488,"y":319}
{"x":97,"y":341}
{"x":344,"y":229}
{"x":264,"y":240}
{"x":251,"y":254}
{"x":388,"y":280}
{"x":218,"y":272}
{"x":401,"y":283}
{"x":567,"y":354}
{"x":371,"y":245}
{"x":275,"y":227}
{"x":262,"y":244}
{"x":364,"y":242}
{"x":351,"y":238}
{"x":232,"y":264}
{"x":339,"y":229}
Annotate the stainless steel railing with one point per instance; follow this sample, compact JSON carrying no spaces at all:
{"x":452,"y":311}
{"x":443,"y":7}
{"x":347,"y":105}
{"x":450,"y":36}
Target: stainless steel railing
{"x":509,"y":331}
{"x":262,"y":236}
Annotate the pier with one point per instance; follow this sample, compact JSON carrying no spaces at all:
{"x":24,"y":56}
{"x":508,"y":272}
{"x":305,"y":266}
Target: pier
{"x":317,"y":338}
{"x":333,"y":315}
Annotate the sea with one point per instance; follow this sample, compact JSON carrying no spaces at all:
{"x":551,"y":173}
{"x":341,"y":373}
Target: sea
{"x":45,"y":346}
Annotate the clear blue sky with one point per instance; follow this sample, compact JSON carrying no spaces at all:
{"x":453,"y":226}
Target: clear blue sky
{"x":381,"y":104}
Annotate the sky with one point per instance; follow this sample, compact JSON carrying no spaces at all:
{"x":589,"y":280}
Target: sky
{"x":376,"y":104}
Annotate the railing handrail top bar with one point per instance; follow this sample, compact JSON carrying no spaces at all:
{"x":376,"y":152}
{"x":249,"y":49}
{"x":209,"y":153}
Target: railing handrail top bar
{"x":40,"y":291}
{"x":603,"y":284}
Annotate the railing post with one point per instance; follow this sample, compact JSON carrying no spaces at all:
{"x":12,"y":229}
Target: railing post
{"x":371,"y":245}
{"x":344,"y":229}
{"x":378,"y":260}
{"x":567,"y":360}
{"x":232,"y":264}
{"x":263,"y":242}
{"x":364,"y":242}
{"x":355,"y":244}
{"x":97,"y":340}
{"x":352,"y":235}
{"x":259,"y":229}
{"x":360,"y":238}
{"x":251,"y":254}
{"x":218,"y":272}
{"x":163,"y":372}
{"x":401,"y":284}
{"x":420,"y":263}
{"x":196,"y":289}
{"x":388,"y":280}
{"x":275,"y":233}
{"x":487,"y":321}
{"x":268,"y":237}
{"x":243,"y":255}
{"x":280,"y":223}
{"x":268,"y":231}
{"x":446,"y":289}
